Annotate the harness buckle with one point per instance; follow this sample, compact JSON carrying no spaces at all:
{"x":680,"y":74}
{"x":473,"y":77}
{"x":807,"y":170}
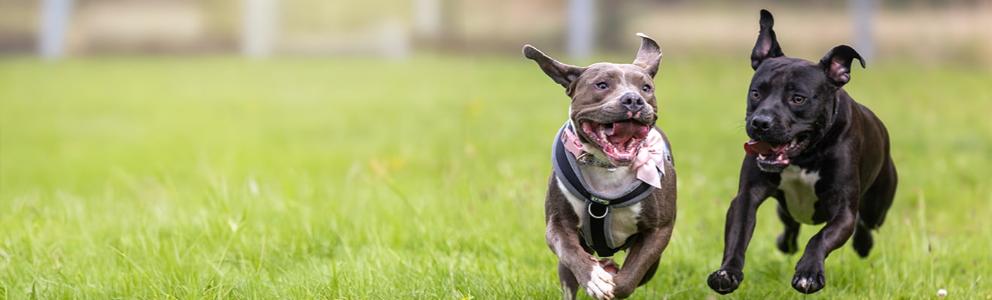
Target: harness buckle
{"x":589,"y":209}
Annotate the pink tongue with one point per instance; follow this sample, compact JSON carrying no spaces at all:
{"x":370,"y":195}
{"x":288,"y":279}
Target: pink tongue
{"x":624,"y":131}
{"x":758,"y":147}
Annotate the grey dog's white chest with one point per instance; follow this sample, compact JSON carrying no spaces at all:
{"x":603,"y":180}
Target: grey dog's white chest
{"x":623,"y":222}
{"x":799,"y":187}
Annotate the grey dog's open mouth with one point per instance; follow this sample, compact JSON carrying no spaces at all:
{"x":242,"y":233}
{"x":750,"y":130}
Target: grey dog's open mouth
{"x":777,"y":156}
{"x":619,"y":140}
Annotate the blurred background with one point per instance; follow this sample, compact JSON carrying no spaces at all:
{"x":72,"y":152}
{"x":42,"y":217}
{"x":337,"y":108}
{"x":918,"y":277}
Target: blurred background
{"x":384,"y":149}
{"x":928,"y":31}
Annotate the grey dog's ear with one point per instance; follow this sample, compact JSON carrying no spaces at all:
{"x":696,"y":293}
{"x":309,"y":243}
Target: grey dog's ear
{"x":767,"y":45}
{"x":563,"y":74}
{"x":649,"y":55}
{"x":837,"y":63}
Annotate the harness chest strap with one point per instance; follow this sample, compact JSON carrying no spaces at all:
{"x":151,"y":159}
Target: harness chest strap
{"x":595,"y":233}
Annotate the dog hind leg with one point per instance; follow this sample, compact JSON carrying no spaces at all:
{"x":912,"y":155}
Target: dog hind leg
{"x":874,"y":204}
{"x":649,"y":273}
{"x":786,"y":242}
{"x":862,"y":240}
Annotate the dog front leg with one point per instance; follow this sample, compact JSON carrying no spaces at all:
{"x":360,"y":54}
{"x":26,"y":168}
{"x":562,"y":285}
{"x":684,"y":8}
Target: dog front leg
{"x":809,"y":276}
{"x":640,"y":258}
{"x":564,"y":242}
{"x":737,"y":235}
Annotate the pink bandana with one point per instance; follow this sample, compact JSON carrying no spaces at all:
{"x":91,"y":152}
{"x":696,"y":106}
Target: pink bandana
{"x":650,"y":158}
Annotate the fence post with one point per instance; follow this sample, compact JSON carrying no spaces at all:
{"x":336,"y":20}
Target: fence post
{"x":427,"y":18}
{"x":862,"y":12}
{"x":581,"y":22}
{"x":54,"y":22}
{"x":259,"y":27}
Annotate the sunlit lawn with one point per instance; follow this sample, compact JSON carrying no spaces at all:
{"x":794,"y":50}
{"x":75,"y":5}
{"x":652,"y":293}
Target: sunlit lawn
{"x":358,"y":179}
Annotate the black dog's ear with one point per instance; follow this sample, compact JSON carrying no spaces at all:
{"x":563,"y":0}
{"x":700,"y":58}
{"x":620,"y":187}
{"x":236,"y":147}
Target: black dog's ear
{"x":767,"y":45}
{"x":837,"y":63}
{"x":649,"y":55}
{"x":563,"y":74}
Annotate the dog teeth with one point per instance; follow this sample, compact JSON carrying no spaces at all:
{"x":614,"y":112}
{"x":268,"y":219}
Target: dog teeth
{"x":793,"y":144}
{"x":630,"y":144}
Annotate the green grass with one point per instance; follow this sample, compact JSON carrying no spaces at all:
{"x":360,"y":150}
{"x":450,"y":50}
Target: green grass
{"x":363,"y":179}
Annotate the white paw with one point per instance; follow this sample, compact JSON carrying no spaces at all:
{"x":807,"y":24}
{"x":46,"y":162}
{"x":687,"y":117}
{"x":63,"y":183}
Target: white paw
{"x":600,"y":285}
{"x":804,"y":283}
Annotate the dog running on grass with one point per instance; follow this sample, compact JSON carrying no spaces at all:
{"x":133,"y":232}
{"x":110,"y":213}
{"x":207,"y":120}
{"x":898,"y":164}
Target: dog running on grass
{"x":822,"y":155}
{"x":613,"y":184}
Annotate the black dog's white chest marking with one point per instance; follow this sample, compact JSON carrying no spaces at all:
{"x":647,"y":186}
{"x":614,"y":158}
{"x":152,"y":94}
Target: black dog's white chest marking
{"x":798,"y":185}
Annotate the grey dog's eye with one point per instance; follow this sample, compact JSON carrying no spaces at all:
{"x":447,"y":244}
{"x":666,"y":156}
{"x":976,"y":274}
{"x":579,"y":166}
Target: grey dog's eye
{"x":755,"y":95}
{"x":646,"y":88}
{"x":796,"y":99}
{"x":602,"y":85}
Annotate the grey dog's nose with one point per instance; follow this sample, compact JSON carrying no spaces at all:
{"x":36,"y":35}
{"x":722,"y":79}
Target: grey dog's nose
{"x":632,"y":101}
{"x":761,"y":123}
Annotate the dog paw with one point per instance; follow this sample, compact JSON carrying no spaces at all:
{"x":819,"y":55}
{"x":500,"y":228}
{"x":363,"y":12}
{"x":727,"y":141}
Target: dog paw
{"x":786,"y":244}
{"x":600,"y":285}
{"x":808,"y":282}
{"x":725,"y":281}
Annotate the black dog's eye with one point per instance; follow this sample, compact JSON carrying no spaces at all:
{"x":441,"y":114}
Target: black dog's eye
{"x":602,"y":85}
{"x":646,"y":88}
{"x":796,"y":99}
{"x":755,"y":95}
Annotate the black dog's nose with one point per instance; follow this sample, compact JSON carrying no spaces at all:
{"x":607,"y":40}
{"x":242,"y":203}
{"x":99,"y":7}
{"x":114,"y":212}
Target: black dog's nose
{"x":632,"y":101}
{"x":761,"y":123}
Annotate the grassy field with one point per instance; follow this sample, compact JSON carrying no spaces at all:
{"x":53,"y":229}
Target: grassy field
{"x":361,"y":179}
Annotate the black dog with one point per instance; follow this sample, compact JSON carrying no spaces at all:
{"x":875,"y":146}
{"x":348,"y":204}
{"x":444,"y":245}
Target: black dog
{"x":823,"y":156}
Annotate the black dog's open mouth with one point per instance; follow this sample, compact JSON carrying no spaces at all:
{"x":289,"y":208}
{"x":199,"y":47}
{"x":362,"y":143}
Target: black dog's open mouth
{"x":619,"y":140}
{"x":777,"y":157}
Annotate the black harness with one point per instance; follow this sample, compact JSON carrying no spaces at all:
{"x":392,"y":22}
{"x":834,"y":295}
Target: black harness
{"x":595,"y":233}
